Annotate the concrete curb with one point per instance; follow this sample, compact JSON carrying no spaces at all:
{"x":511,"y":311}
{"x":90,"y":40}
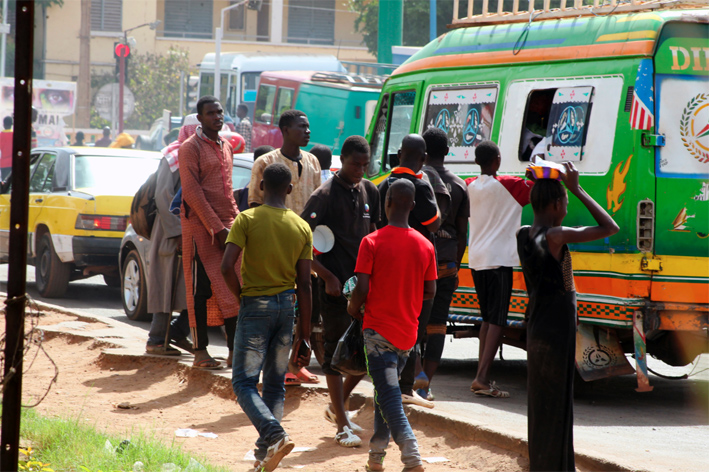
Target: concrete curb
{"x":130,"y":342}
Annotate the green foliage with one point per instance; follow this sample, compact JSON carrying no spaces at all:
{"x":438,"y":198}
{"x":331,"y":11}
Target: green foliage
{"x":155,"y":82}
{"x":416,"y":20}
{"x":71,"y":444}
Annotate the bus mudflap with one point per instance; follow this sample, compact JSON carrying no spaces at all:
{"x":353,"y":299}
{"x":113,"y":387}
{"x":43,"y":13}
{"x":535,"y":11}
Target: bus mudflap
{"x":599,"y":354}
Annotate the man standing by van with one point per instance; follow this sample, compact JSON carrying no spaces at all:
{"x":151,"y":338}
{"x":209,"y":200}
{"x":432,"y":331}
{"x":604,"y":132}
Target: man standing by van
{"x":425,"y":219}
{"x":451,"y":240}
{"x":496,"y":203}
{"x":348,"y":204}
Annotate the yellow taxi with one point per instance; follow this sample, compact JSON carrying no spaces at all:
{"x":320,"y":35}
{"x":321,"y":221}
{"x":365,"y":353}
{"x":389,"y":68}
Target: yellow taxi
{"x":79,"y":205}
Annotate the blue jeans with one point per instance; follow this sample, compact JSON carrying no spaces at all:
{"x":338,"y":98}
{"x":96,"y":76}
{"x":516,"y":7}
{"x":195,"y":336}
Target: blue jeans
{"x":263,"y":340}
{"x":384,"y":364}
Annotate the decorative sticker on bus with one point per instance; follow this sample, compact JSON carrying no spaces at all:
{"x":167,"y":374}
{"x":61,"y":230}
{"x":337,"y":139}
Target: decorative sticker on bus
{"x":466,"y":117}
{"x":567,"y":123}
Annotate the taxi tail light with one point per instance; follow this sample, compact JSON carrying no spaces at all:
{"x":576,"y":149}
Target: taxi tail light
{"x":102,"y":222}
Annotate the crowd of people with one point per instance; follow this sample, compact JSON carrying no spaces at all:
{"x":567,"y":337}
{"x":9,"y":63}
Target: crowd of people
{"x":244,"y":259}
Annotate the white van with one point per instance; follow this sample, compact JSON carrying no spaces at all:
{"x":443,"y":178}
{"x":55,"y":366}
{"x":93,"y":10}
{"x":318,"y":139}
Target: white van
{"x":240,"y":73}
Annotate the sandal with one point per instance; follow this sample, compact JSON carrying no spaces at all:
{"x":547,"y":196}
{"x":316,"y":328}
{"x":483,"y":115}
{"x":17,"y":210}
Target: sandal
{"x":347,"y":438}
{"x":493,"y":391}
{"x":291,"y":380}
{"x":183,"y":344}
{"x":305,"y":376}
{"x":373,"y":466}
{"x":208,"y":364}
{"x":332,"y":418}
{"x":161,"y":350}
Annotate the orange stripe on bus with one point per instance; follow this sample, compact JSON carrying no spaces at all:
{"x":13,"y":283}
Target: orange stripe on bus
{"x":633,"y":48}
{"x":680,"y":292}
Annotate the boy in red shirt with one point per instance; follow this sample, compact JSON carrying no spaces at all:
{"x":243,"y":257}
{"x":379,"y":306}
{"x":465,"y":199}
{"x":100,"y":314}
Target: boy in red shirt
{"x":396,"y":271}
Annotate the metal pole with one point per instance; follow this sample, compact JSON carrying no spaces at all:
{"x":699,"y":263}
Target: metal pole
{"x":182,"y":94}
{"x":3,"y":43}
{"x":217,"y":61}
{"x":218,"y":33}
{"x":19,"y":203}
{"x":121,"y":84}
{"x":432,"y":23}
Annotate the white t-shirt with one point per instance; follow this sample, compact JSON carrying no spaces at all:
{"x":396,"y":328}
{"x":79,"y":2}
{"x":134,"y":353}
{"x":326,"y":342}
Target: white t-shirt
{"x":495,"y":212}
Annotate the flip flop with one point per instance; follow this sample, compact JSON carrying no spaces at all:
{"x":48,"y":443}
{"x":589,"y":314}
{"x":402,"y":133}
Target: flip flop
{"x":208,"y":364}
{"x":374,"y":466}
{"x":291,"y":380}
{"x":347,"y":438}
{"x":332,"y":418}
{"x":493,"y":391}
{"x":305,"y":376}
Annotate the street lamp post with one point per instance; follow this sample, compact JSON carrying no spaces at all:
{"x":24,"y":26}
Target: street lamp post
{"x":218,"y":49}
{"x":122,"y":69}
{"x":250,"y":4}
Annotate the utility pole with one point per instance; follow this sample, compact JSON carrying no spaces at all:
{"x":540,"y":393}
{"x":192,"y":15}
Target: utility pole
{"x":83,"y":108}
{"x":19,"y":204}
{"x":391,"y":21}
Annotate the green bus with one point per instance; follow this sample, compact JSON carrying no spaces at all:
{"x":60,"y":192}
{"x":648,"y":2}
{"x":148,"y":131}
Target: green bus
{"x":626,"y":98}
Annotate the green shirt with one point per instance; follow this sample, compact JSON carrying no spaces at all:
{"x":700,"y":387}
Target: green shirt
{"x":273,"y":241}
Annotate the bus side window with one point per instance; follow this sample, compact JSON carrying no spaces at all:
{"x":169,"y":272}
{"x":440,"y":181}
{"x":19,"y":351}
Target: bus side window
{"x":466,"y":116}
{"x":284,"y":102}
{"x":536,"y":118}
{"x":264,"y":104}
{"x":555,"y":124}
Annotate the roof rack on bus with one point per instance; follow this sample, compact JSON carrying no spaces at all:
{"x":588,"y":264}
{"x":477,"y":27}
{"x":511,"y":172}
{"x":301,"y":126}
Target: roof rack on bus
{"x":554,"y":9}
{"x":349,"y":79}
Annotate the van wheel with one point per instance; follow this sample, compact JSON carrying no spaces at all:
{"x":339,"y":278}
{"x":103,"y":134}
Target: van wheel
{"x":134,"y":289}
{"x":51,"y":274}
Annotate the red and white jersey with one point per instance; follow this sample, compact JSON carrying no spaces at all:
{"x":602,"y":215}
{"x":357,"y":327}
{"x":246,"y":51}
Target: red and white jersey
{"x":495,"y":213}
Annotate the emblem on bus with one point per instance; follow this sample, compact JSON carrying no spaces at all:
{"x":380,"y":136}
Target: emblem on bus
{"x":694,"y":127}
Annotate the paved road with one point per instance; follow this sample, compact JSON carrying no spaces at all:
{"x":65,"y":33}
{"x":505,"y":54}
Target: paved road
{"x":664,"y":430}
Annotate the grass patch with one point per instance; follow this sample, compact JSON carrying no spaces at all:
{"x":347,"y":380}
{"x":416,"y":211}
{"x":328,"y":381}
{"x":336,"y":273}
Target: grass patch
{"x":67,"y":445}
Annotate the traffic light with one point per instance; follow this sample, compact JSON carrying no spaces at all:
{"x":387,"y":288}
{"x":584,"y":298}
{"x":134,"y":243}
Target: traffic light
{"x":192,"y":92}
{"x":121,"y":49}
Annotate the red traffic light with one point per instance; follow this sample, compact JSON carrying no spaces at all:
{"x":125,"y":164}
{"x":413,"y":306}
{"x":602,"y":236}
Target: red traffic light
{"x":121,"y":50}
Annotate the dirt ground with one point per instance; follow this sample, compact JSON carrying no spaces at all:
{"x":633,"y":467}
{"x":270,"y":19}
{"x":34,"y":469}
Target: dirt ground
{"x":164,"y":395}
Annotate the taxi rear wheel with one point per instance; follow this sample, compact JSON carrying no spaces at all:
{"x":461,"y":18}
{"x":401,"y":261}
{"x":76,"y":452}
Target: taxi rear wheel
{"x":51,"y":274}
{"x":134,"y":292}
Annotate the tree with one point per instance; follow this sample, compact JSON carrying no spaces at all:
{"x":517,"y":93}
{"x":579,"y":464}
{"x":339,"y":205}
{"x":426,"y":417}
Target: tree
{"x":416,"y":20}
{"x":155,"y":82}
